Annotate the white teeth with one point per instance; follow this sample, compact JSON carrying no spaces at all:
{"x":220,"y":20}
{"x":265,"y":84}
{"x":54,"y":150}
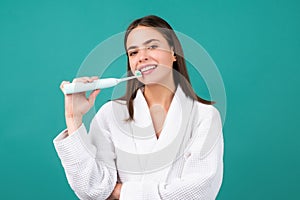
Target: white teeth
{"x":148,"y":68}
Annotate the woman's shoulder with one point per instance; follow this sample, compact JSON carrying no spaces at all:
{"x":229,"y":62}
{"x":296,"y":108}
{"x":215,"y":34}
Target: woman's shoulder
{"x":111,"y":109}
{"x":206,"y":110}
{"x":207,"y":116}
{"x":111,"y":104}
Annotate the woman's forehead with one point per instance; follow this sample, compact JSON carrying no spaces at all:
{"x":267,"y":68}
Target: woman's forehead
{"x":142,"y":34}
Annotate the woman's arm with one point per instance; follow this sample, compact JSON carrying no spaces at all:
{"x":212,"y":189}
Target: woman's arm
{"x":90,"y":171}
{"x":116,"y":192}
{"x":88,"y":159}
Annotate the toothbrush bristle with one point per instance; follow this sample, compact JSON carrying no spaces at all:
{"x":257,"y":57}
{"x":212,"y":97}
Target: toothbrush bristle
{"x":138,"y":73}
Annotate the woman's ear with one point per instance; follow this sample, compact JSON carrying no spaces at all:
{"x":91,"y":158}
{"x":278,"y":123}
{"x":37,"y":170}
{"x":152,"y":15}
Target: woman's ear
{"x":174,"y":56}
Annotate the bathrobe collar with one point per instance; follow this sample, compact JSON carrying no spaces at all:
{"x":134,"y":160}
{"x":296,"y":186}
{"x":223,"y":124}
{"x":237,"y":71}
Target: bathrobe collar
{"x":174,"y":135}
{"x":142,"y":117}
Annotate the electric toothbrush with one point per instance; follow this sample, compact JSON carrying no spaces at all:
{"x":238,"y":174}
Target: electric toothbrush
{"x":72,"y":88}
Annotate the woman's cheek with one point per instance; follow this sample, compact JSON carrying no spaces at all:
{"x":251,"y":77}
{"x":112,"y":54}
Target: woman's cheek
{"x":132,"y":66}
{"x":166,"y":60}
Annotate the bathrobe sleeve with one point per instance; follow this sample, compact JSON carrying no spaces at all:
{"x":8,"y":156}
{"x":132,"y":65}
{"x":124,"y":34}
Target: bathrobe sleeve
{"x":88,"y":160}
{"x":201,"y":173}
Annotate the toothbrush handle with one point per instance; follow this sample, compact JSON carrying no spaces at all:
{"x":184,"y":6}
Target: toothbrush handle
{"x":72,"y":88}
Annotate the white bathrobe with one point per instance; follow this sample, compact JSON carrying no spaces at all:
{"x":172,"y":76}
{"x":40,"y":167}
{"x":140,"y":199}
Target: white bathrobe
{"x":185,"y":162}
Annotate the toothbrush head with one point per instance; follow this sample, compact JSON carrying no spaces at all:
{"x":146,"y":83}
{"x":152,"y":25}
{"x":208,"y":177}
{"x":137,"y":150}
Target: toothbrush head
{"x":138,"y":73}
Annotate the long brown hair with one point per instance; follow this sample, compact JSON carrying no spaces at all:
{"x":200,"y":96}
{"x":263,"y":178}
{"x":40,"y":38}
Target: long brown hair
{"x":180,"y":73}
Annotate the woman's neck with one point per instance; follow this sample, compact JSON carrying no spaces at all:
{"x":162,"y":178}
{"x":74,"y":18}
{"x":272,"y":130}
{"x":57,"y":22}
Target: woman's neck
{"x":156,"y":94}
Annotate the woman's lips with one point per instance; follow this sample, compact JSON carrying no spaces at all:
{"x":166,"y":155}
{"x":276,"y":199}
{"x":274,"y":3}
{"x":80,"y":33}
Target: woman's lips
{"x":148,"y":69}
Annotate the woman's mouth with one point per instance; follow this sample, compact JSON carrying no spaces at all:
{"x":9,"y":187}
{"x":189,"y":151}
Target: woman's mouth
{"x":148,"y":69}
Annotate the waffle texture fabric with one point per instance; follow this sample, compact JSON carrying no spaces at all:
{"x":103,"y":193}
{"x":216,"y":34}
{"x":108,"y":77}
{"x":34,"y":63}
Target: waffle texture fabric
{"x":185,"y":162}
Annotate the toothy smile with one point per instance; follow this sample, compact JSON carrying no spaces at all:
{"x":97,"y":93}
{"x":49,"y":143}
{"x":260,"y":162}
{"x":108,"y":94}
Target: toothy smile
{"x":147,"y":68}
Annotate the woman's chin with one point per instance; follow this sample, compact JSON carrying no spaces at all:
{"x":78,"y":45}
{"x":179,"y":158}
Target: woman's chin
{"x":156,"y":79}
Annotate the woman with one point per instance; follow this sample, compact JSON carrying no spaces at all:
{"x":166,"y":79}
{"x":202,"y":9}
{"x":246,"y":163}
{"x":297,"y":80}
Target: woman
{"x":159,"y":141}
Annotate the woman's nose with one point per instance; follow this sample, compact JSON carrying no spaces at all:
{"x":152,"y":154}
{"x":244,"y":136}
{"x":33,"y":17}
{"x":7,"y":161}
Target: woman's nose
{"x":143,"y":55}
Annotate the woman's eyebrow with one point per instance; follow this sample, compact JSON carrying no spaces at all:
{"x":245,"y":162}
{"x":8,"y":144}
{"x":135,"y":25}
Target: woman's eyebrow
{"x":145,"y":43}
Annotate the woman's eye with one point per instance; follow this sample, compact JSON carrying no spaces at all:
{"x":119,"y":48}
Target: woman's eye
{"x":153,"y":47}
{"x":132,"y":53}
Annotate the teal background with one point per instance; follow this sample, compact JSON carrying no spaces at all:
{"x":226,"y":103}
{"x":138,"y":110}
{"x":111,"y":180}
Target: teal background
{"x":255,"y":45}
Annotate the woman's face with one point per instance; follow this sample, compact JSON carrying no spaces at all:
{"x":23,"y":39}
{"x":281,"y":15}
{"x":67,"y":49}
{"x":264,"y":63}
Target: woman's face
{"x":149,"y":52}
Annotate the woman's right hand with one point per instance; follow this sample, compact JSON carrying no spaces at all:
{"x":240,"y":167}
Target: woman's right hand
{"x":76,"y":105}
